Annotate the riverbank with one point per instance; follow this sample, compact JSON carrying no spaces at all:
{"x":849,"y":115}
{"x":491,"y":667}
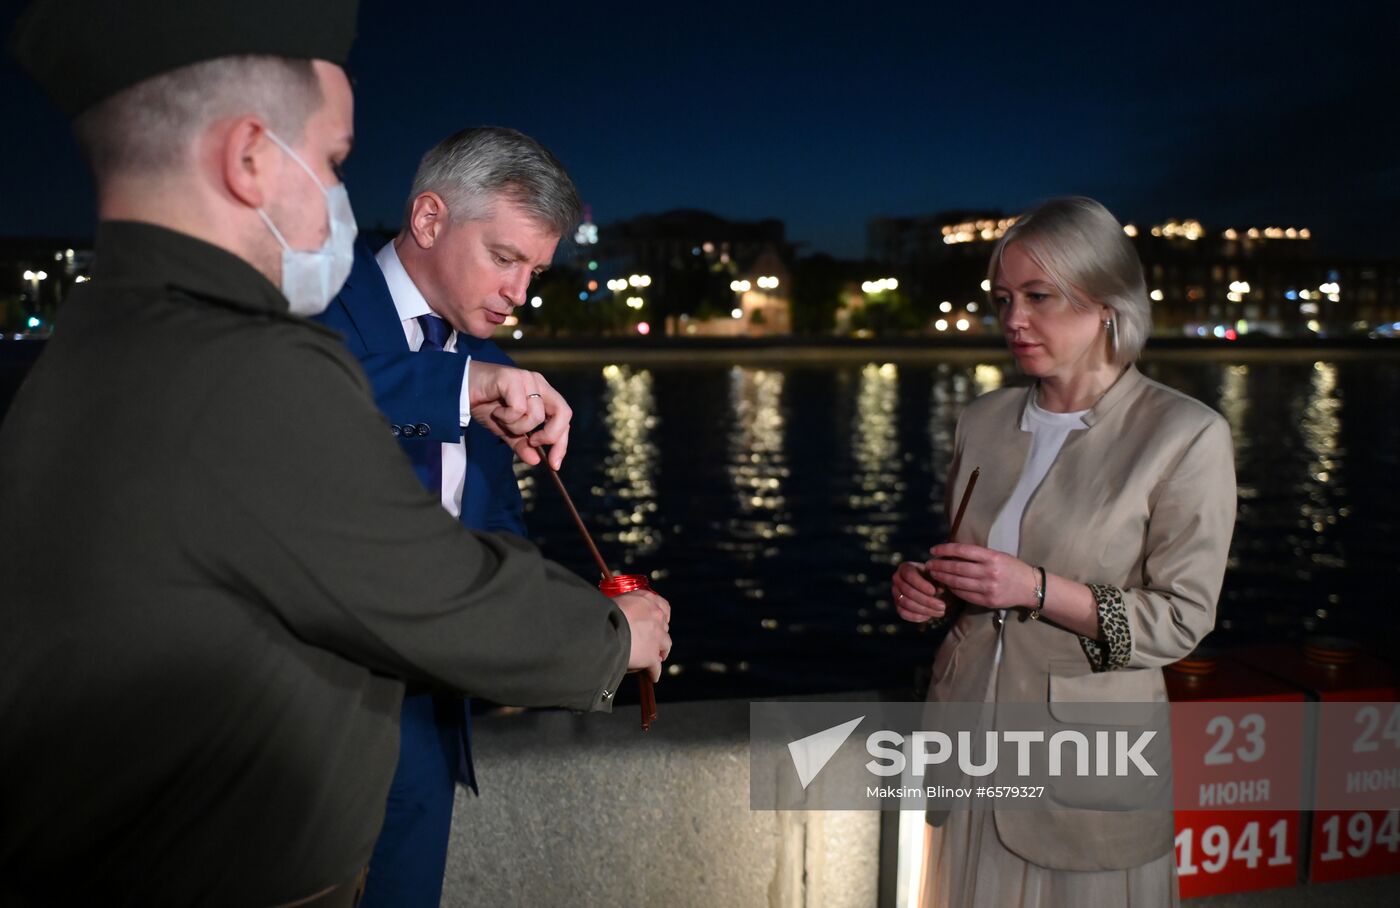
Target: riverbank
{"x":540,"y":352}
{"x":17,"y":355}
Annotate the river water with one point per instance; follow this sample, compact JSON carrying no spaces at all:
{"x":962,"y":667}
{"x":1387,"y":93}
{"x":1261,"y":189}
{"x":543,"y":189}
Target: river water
{"x":769,"y":493}
{"x":771,"y":500}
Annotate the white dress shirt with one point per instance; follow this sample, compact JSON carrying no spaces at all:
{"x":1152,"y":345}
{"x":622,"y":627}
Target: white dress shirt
{"x":410,"y":304}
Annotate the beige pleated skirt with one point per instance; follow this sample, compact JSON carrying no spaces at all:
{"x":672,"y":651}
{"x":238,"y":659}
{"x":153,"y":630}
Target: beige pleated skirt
{"x":967,"y":866}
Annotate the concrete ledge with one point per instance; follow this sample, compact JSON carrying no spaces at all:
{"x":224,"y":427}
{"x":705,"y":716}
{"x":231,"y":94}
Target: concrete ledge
{"x":588,"y":810}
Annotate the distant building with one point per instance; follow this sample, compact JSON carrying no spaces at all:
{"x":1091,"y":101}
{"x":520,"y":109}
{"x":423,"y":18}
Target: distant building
{"x":1260,"y":279}
{"x":697,"y":264}
{"x":932,"y":237}
{"x":940,"y":259}
{"x":1202,"y":282}
{"x":655,"y":241}
{"x":762,"y":298}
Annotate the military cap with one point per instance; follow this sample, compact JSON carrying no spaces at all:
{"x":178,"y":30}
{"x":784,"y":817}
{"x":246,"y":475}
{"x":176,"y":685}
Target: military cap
{"x":84,"y":51}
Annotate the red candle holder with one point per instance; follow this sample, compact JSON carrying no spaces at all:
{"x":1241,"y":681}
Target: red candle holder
{"x":615,"y":586}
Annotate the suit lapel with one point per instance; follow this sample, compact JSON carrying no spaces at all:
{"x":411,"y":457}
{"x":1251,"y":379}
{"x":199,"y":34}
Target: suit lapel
{"x":370,"y":307}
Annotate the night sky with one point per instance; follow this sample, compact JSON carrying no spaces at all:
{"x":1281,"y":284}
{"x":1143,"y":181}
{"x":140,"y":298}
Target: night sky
{"x":1246,"y":115}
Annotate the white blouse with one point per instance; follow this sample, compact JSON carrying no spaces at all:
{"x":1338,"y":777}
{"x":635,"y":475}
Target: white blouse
{"x":1048,"y":433}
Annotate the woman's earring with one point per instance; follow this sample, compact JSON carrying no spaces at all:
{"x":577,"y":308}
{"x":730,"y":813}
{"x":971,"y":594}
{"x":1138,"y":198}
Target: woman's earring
{"x":1111,"y":326}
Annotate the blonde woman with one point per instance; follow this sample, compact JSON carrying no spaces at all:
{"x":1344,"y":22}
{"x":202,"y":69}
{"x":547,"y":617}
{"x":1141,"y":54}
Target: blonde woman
{"x":1104,"y":509}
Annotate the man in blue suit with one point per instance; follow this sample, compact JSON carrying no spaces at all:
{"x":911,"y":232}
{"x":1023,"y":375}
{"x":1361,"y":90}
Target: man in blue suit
{"x":485,"y":214}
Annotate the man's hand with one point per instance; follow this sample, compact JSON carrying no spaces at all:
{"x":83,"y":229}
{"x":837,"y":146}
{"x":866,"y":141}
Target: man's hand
{"x":511,"y":402}
{"x":649,"y":617}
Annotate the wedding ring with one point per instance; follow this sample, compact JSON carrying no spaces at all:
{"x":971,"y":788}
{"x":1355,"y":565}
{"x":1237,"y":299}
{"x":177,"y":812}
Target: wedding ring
{"x":534,"y":394}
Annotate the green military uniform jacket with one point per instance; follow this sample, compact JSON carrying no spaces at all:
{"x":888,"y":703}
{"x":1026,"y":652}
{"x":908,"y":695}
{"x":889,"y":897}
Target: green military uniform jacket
{"x":218,"y":574}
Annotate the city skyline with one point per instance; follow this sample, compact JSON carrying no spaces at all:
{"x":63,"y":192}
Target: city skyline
{"x":1237,"y":118}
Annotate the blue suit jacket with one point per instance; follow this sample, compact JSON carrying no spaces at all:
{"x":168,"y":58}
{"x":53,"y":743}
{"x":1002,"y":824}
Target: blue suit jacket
{"x":419,"y":394}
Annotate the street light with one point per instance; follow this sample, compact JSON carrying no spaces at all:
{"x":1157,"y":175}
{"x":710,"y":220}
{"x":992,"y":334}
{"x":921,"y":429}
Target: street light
{"x":34,"y":277}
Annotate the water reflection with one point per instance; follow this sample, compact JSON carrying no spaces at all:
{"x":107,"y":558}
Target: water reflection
{"x":525,"y":478}
{"x":952,"y":390}
{"x":1234,"y":402}
{"x":757,"y":464}
{"x":987,"y":377}
{"x":1234,"y":406}
{"x":878,"y":489}
{"x":629,"y":467}
{"x":1321,"y":425}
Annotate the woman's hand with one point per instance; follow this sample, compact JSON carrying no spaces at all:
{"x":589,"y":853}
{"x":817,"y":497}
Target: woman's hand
{"x":915,"y":597}
{"x":982,"y":576}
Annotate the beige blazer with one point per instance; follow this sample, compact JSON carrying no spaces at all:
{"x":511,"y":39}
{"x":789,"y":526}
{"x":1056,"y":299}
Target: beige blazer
{"x":1142,"y":500}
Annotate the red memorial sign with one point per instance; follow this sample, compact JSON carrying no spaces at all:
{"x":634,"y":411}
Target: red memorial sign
{"x":1236,"y":741}
{"x":1356,"y":757}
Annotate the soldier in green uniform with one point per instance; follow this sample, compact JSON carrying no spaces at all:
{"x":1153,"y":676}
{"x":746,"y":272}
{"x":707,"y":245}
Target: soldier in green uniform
{"x":219,"y":572}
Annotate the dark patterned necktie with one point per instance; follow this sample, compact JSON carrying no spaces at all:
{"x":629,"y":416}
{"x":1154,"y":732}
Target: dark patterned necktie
{"x":435,"y":332}
{"x":435,"y":335}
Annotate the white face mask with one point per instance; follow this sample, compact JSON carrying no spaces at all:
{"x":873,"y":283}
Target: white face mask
{"x":311,"y":279}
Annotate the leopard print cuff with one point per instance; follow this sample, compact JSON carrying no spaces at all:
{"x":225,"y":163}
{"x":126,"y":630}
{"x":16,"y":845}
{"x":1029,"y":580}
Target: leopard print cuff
{"x":1116,"y":647}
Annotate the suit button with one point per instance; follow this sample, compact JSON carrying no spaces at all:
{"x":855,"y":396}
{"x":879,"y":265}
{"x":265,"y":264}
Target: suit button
{"x":408,"y":430}
{"x":424,"y":430}
{"x":395,"y":431}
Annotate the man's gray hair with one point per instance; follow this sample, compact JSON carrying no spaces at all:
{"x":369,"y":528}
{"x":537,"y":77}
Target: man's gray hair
{"x":474,"y":167}
{"x":1083,"y":249}
{"x":151,"y":126}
